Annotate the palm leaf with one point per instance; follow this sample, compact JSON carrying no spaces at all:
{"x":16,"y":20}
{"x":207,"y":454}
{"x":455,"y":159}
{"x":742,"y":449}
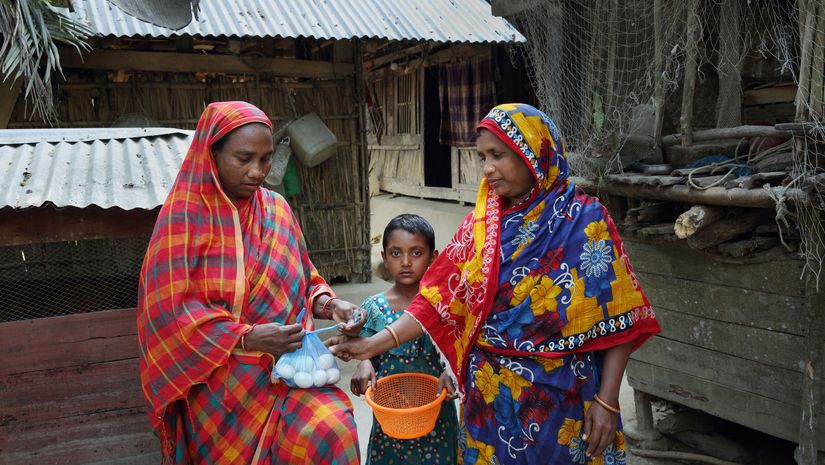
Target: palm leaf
{"x":31,"y":30}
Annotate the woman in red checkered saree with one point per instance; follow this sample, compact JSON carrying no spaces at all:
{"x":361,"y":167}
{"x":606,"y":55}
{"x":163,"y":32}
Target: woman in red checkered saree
{"x":224,"y":279}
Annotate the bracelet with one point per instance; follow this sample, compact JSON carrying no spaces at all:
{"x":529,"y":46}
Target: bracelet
{"x":605,"y":404}
{"x":243,"y":338}
{"x":324,"y":309}
{"x":394,"y":336}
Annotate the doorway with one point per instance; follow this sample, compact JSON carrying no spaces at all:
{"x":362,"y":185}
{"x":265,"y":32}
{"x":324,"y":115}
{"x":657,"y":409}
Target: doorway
{"x":437,"y":161}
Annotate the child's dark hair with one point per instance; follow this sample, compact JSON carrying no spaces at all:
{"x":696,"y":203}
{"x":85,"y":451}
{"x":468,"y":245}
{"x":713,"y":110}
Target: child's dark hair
{"x":413,"y":224}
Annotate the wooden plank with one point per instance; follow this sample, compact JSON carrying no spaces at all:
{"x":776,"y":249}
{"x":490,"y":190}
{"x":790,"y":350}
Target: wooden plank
{"x":33,"y":397}
{"x":73,"y":340}
{"x":737,"y":373}
{"x":514,"y":7}
{"x":746,"y":307}
{"x":767,"y":347}
{"x":398,"y":186}
{"x":198,"y":62}
{"x":647,"y":180}
{"x":778,"y":275}
{"x":48,"y":224}
{"x":70,"y":392}
{"x":401,"y":55}
{"x":757,"y":412}
{"x":123,"y":434}
{"x":769,"y":95}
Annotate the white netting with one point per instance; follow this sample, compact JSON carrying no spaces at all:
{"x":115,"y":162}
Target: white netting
{"x":599,"y":67}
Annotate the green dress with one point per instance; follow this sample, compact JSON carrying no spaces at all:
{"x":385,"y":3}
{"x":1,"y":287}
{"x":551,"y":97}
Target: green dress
{"x":420,"y":356}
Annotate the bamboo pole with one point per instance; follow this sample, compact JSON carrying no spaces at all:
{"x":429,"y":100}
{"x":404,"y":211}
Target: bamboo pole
{"x":590,"y":80}
{"x":806,"y":21}
{"x":691,"y":65}
{"x":362,"y":156}
{"x":659,"y":66}
{"x":817,"y":79}
{"x":729,"y":133}
{"x":609,"y":99}
{"x":751,"y":198}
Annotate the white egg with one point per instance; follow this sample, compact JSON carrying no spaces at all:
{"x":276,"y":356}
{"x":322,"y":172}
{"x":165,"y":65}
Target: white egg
{"x":285,"y":371}
{"x":333,"y":375}
{"x":319,"y":378}
{"x":302,"y":379}
{"x":303,"y":363}
{"x":325,"y":361}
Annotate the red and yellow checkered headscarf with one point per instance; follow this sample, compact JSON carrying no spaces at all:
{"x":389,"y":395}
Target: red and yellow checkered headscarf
{"x":211,"y":269}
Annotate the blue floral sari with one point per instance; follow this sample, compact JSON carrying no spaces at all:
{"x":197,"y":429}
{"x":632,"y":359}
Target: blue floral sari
{"x":522,"y":302}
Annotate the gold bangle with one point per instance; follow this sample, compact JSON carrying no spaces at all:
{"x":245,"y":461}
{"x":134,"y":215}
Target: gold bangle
{"x":605,"y":404}
{"x":394,"y":336}
{"x":324,"y":309}
{"x":243,"y":338}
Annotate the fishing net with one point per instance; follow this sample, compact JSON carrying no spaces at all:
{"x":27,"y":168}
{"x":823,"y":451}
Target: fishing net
{"x":618,"y":76}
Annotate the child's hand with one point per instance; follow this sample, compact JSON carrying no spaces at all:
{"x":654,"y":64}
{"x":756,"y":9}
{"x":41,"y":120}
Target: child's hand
{"x":343,"y":312}
{"x":445,"y":382}
{"x":364,"y":376}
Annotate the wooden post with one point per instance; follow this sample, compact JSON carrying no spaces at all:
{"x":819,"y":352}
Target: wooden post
{"x":691,"y":65}
{"x":645,"y":426}
{"x":696,"y":218}
{"x":9,"y":92}
{"x":818,"y":59}
{"x":729,"y":100}
{"x":658,"y":79}
{"x":363,"y":154}
{"x":812,"y":376}
{"x":723,"y":230}
{"x":806,"y":20}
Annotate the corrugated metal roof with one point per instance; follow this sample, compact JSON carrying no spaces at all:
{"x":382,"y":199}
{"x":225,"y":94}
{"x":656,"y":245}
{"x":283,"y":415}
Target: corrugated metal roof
{"x":111,"y":167}
{"x":436,"y":20}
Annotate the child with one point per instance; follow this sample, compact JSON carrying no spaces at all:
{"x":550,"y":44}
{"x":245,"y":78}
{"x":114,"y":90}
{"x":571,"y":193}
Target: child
{"x":408,"y":249}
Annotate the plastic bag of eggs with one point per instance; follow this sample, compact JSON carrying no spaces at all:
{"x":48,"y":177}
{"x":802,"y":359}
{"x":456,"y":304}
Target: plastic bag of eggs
{"x":310,"y":366}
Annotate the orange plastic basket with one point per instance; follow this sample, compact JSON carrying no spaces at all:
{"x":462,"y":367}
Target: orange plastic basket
{"x":406,"y":405}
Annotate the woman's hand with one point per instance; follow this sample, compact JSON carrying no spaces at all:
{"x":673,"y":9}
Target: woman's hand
{"x":599,"y":428}
{"x":364,"y":376}
{"x":348,"y":348}
{"x":445,"y":382}
{"x":274,"y":338}
{"x":342,"y":313}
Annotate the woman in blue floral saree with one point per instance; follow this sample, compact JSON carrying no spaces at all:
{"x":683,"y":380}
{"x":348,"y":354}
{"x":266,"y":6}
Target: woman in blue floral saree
{"x":533,"y":304}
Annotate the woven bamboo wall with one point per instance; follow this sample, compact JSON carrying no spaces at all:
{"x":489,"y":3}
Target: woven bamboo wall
{"x":331,"y":206}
